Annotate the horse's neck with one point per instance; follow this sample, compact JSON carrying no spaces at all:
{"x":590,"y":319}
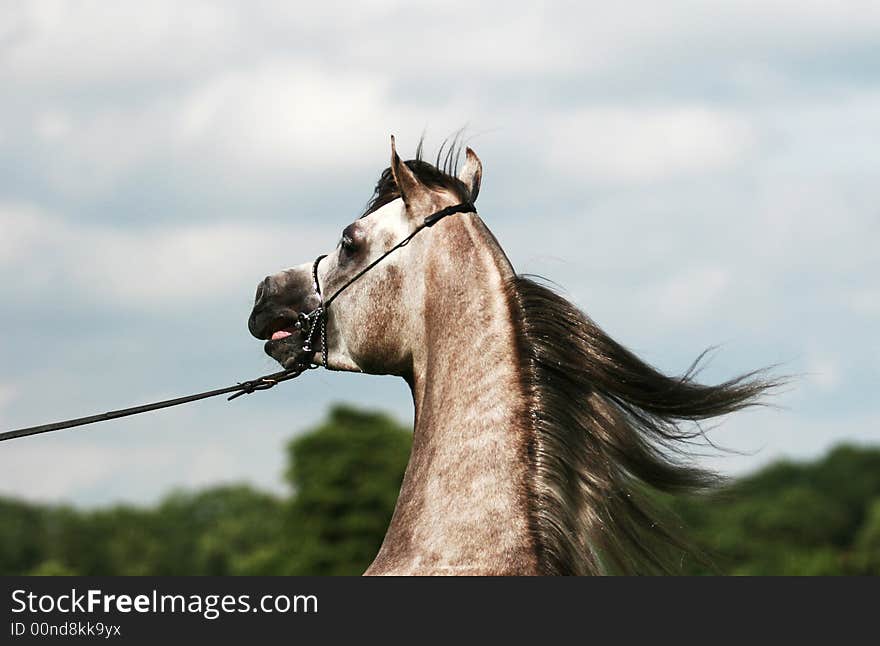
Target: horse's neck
{"x":463,"y":503}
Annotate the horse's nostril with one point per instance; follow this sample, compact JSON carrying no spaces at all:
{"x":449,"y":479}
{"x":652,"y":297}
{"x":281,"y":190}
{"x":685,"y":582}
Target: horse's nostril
{"x":262,"y":290}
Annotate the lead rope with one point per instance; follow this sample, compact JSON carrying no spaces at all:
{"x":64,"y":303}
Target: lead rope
{"x":242,"y":388}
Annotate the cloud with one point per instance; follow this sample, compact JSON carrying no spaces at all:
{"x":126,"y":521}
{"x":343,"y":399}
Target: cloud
{"x":766,"y":437}
{"x":865,"y":302}
{"x":689,"y":296}
{"x":89,"y":464}
{"x":142,"y":269}
{"x":823,"y":371}
{"x":8,"y":393}
{"x":87,"y":43}
{"x":51,"y":125}
{"x":285,"y":116}
{"x":84,"y":155}
{"x":51,"y":43}
{"x":625,"y":145}
{"x":239,"y":100}
{"x":693,"y":175}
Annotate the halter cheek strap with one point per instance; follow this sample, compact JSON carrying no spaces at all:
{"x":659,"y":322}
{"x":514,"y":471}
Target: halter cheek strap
{"x":317,"y":318}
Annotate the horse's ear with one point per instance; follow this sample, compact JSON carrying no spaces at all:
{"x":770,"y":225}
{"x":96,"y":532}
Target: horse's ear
{"x":471,"y":174}
{"x":407,"y":183}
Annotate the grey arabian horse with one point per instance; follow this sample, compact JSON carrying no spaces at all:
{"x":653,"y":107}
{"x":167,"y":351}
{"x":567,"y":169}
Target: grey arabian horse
{"x":539,"y":442}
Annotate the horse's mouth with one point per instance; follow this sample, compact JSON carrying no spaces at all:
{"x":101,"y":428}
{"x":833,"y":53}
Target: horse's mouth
{"x":285,"y":345}
{"x":283,"y":334}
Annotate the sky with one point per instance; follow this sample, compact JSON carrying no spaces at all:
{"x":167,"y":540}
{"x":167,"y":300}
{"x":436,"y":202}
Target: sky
{"x":691,"y":174}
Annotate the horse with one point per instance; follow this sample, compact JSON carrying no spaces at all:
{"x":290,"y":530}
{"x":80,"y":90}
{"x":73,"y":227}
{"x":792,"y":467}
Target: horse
{"x":540,"y":444}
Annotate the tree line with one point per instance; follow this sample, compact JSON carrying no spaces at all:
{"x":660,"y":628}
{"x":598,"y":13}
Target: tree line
{"x":344,"y":476}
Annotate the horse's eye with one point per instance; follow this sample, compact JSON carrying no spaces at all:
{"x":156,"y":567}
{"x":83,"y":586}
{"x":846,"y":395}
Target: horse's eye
{"x":347,"y":242}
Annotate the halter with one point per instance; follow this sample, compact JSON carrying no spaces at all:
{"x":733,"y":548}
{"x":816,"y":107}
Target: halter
{"x":309,"y":323}
{"x":317,"y":318}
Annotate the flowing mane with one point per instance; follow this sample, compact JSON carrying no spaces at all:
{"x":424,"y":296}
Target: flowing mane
{"x":606,"y":434}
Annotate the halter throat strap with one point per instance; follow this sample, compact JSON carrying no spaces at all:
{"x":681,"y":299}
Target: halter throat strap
{"x":317,"y":318}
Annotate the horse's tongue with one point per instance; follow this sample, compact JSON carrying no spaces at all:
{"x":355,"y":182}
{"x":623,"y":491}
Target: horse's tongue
{"x":280,"y":334}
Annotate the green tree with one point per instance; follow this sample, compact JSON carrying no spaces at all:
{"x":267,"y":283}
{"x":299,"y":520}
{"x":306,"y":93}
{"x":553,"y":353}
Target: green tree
{"x":346,"y":475}
{"x":52,"y":568}
{"x":791,"y":518}
{"x":812,"y":518}
{"x":22,"y":536}
{"x":866,"y":559}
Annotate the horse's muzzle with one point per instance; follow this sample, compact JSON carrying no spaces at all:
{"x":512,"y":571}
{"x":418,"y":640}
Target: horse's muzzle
{"x":279,"y":301}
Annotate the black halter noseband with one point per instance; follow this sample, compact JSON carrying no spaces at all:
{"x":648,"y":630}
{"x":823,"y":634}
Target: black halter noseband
{"x":317,"y":318}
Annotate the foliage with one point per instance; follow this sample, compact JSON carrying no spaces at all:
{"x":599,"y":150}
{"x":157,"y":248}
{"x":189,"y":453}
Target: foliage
{"x":347,"y":475}
{"x":818,"y":518}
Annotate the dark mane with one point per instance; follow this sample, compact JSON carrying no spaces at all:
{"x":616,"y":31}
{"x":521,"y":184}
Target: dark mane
{"x":439,"y":176}
{"x":606,"y":438}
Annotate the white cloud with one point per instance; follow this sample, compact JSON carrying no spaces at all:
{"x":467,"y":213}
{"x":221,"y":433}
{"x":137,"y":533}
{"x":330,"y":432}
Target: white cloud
{"x":766,"y":436}
{"x":283,"y":116}
{"x":68,"y":468}
{"x":8,"y":393}
{"x":700,"y":174}
{"x":88,"y":154}
{"x":823,"y":371}
{"x":267,"y":90}
{"x":688,"y":296}
{"x":238,"y":130}
{"x":52,"y":125}
{"x":626,"y":145}
{"x":63,"y":44}
{"x":865,"y":302}
{"x":177,"y":266}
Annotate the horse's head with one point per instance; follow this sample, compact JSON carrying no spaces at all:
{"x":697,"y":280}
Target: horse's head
{"x":374,"y":323}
